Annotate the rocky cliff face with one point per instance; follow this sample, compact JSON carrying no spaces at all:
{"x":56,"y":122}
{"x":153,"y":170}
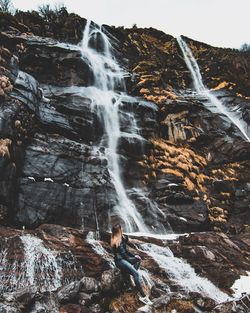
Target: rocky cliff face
{"x":190,"y":173}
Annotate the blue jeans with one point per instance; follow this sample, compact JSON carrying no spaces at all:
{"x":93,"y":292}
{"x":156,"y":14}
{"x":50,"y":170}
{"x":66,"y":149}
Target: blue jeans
{"x":128,"y":268}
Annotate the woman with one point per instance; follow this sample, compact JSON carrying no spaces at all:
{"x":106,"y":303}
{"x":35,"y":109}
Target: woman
{"x":125,"y":260}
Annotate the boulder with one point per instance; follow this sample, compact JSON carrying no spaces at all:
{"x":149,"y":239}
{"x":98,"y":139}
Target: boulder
{"x":89,"y":285}
{"x":47,"y":302}
{"x":69,"y":292}
{"x":23,"y":296}
{"x":161,"y":301}
{"x":9,"y":308}
{"x":111,"y":280}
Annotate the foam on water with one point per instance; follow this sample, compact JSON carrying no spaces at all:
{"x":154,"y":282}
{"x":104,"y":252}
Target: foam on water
{"x":241,"y":285}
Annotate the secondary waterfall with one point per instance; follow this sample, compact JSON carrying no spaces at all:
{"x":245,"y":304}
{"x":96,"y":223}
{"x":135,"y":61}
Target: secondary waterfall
{"x":108,"y":78}
{"x":40,"y":263}
{"x":233,"y":115}
{"x":35,"y":265}
{"x":182,"y":273}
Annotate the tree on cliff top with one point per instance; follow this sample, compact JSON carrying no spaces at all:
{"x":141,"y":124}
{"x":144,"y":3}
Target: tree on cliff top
{"x":51,"y":13}
{"x":245,"y":47}
{"x":6,"y":6}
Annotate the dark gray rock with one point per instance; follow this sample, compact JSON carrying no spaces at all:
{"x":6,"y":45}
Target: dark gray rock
{"x":51,"y":202}
{"x":90,"y":285}
{"x":161,"y":301}
{"x":77,"y":107}
{"x":46,"y":303}
{"x":8,"y":110}
{"x":187,"y":216}
{"x":19,"y":300}
{"x":95,"y":308}
{"x":7,"y":181}
{"x":205,"y":303}
{"x":9,"y":308}
{"x":111,"y":280}
{"x":55,"y":121}
{"x":23,"y":296}
{"x":223,"y":186}
{"x":84,"y":298}
{"x":27,"y":90}
{"x":55,"y":63}
{"x":65,"y":181}
{"x":69,"y":292}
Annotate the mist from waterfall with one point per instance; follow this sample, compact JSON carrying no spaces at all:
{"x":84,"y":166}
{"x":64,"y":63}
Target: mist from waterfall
{"x":235,"y":115}
{"x":108,"y":78}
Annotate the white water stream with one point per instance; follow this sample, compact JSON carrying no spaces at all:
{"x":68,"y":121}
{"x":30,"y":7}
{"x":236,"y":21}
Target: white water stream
{"x":108,"y":78}
{"x":37,"y":266}
{"x":233,"y":115}
{"x":182,"y":273}
{"x":40,"y":263}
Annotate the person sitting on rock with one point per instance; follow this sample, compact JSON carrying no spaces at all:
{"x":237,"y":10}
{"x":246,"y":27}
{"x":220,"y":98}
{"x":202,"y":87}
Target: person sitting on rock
{"x":125,"y":260}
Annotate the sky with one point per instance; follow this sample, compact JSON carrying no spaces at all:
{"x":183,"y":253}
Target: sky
{"x":221,"y":23}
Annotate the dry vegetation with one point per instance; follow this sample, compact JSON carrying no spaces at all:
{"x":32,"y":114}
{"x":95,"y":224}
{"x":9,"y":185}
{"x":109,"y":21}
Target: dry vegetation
{"x":4,"y":147}
{"x":5,"y":86}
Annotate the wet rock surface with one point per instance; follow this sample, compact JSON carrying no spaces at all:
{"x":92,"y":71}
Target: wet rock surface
{"x":99,"y":286}
{"x":187,"y":170}
{"x":38,"y":119}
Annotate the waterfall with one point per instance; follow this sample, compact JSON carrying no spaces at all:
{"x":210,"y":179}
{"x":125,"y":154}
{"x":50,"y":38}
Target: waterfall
{"x":40,"y":264}
{"x":108,"y":78}
{"x":35,"y":265}
{"x":182,"y":273}
{"x":233,"y":115}
{"x":98,"y":248}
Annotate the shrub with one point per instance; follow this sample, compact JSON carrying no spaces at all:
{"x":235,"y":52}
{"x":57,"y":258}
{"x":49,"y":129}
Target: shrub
{"x":6,"y":6}
{"x":245,"y":47}
{"x":51,"y":13}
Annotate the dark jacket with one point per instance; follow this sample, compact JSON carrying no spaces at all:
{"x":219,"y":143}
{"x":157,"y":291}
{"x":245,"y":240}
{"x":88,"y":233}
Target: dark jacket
{"x":121,"y":252}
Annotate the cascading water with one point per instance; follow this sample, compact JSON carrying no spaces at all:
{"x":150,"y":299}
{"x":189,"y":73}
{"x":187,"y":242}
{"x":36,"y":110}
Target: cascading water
{"x":40,"y":263}
{"x":233,"y":115}
{"x":98,"y":248}
{"x":182,"y":273}
{"x":35,"y":265}
{"x":109,"y":77}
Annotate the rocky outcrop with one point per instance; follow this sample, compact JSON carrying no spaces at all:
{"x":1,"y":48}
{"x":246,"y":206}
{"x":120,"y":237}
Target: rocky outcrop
{"x":66,"y":176}
{"x":96,"y":286}
{"x":177,"y":128}
{"x":59,"y":25}
{"x":186,"y":170}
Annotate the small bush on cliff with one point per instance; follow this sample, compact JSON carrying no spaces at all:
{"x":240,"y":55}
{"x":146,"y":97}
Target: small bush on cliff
{"x":5,"y":86}
{"x":4,"y":147}
{"x":245,"y":47}
{"x":50,"y":14}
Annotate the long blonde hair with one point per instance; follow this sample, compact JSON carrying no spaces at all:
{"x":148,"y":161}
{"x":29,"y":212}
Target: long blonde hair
{"x":116,"y":236}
